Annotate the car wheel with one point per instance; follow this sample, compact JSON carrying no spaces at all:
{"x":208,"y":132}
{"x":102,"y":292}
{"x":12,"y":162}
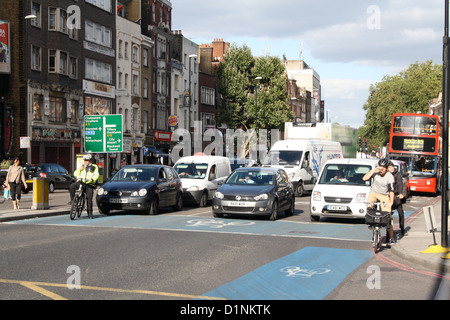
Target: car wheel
{"x":300,"y":191}
{"x":273,"y":216}
{"x":290,"y":211}
{"x":153,"y":207}
{"x":179,"y":203}
{"x":217,"y":215}
{"x":203,"y":199}
{"x":104,"y":211}
{"x":314,"y":218}
{"x":51,"y":187}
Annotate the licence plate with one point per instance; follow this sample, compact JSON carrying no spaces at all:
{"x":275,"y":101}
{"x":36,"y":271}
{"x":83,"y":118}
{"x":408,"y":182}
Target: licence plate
{"x":337,"y":208}
{"x":118,"y":200}
{"x":240,"y":204}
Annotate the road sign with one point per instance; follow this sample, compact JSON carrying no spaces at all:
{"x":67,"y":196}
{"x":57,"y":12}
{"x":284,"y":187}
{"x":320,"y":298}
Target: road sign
{"x":103,"y":133}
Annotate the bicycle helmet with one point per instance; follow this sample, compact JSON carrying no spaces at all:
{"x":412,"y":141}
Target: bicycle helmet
{"x":87,"y":157}
{"x":383,"y":163}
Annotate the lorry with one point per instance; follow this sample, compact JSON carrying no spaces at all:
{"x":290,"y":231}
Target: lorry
{"x":345,"y":135}
{"x":302,"y":159}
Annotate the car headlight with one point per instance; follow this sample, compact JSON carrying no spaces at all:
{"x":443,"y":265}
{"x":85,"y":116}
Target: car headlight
{"x":101,"y":192}
{"x":360,"y":197}
{"x":263,"y":196}
{"x":317,"y":196}
{"x":194,"y":188}
{"x":291,"y":176}
{"x":218,"y":195}
{"x":140,"y":193}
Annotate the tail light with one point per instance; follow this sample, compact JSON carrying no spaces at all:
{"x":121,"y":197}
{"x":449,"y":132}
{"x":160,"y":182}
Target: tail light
{"x":43,"y":175}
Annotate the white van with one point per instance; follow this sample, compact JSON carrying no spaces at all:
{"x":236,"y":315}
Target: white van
{"x":302,"y":160}
{"x":341,"y":192}
{"x":201,"y":176}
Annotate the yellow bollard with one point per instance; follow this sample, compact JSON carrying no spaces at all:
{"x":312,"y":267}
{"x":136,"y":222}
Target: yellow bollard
{"x":40,"y":194}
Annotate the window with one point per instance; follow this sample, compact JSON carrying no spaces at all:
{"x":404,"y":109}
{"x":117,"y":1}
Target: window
{"x":38,"y":102}
{"x":97,"y":33}
{"x":36,"y":10}
{"x":102,"y":4}
{"x":73,"y":111}
{"x":135,"y":84}
{"x":57,"y":19}
{"x":145,"y":88}
{"x":98,"y":71}
{"x":120,"y":49}
{"x":58,"y":61}
{"x":126,"y":51}
{"x":35,"y":58}
{"x":208,"y":96}
{"x":57,"y":110}
{"x":73,"y":67}
{"x":135,"y":55}
{"x":145,"y":121}
{"x":145,"y":57}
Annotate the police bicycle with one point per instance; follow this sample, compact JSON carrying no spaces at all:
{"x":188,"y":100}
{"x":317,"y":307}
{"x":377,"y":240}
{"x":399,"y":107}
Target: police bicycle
{"x":377,"y":219}
{"x":79,"y":201}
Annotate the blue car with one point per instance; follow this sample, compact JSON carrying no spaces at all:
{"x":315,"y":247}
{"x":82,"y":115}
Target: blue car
{"x":255,"y":191}
{"x":143,"y":188}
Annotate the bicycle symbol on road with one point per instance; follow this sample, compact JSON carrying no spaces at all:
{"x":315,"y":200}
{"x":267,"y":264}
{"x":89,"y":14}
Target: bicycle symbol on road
{"x":294,"y":271}
{"x":217,"y":224}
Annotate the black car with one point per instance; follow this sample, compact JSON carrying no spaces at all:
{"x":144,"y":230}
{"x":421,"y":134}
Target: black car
{"x":255,"y":191}
{"x":59,"y":177}
{"x":142,"y":188}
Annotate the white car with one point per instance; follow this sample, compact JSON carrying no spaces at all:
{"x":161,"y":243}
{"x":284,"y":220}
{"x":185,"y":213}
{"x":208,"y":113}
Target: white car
{"x":340,"y":191}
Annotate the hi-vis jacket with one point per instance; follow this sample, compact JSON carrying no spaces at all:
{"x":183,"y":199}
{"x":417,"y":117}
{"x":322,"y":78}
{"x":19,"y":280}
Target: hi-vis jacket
{"x":90,"y":172}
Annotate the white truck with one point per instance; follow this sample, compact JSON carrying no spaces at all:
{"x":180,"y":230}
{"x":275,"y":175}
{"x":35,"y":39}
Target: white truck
{"x":345,"y":135}
{"x":302,"y":160}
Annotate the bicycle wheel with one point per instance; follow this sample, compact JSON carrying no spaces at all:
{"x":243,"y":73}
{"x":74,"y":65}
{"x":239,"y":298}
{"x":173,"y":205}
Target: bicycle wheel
{"x":376,"y":239}
{"x":80,"y":206}
{"x":73,"y":208}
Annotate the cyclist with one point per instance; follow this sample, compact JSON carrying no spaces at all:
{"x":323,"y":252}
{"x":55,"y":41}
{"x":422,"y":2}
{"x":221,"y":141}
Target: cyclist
{"x":89,"y":174}
{"x":382,"y":190}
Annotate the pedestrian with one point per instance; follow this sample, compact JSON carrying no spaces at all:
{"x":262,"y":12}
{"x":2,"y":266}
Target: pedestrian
{"x":399,"y":195}
{"x":14,"y":179}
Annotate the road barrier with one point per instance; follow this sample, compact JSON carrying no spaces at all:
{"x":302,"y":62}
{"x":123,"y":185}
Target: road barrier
{"x":40,"y":193}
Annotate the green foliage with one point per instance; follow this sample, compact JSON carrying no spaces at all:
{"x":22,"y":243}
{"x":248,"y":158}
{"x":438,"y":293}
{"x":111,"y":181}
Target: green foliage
{"x":407,"y":92}
{"x":237,"y":84}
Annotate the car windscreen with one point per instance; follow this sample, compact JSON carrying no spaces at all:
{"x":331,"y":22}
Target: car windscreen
{"x":191,"y":170}
{"x":135,"y":174}
{"x":251,"y":177}
{"x":345,"y":174}
{"x":283,"y":158}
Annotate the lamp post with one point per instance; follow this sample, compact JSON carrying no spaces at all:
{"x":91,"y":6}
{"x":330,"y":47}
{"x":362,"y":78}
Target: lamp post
{"x":256,"y":103}
{"x":190,"y":95}
{"x":445,"y":105}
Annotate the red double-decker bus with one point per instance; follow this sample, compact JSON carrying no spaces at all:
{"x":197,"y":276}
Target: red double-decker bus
{"x":416,"y":139}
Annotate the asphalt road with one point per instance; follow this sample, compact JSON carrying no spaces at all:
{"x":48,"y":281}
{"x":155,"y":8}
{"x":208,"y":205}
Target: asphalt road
{"x":190,"y":255}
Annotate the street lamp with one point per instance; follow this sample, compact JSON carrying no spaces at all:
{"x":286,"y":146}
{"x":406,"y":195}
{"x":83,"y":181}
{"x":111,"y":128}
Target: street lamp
{"x":190,"y":95}
{"x":256,"y":103}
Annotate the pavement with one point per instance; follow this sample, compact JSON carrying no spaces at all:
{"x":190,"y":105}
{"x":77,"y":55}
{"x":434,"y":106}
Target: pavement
{"x":420,"y":245}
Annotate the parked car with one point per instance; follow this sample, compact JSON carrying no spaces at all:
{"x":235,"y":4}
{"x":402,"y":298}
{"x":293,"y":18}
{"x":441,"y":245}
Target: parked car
{"x":144,"y":188}
{"x":59,"y":177}
{"x":255,"y":191}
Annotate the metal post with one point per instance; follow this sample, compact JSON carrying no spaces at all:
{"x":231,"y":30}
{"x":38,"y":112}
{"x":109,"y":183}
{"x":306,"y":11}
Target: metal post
{"x":445,"y":104}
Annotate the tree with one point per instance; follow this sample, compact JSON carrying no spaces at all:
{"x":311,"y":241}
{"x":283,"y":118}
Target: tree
{"x":236,"y":86}
{"x":407,"y":92}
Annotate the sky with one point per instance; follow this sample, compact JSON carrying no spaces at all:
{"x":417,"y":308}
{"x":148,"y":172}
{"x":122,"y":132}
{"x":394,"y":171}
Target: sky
{"x":351,"y":44}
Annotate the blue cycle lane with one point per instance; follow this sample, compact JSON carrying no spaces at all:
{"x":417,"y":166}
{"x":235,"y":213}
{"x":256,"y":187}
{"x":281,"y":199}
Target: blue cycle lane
{"x":309,"y":273}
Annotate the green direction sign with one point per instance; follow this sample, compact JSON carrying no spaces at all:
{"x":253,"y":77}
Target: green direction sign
{"x":103,"y":134}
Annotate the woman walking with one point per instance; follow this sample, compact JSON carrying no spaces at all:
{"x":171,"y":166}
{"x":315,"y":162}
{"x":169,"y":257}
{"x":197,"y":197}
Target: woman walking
{"x":14,"y":178}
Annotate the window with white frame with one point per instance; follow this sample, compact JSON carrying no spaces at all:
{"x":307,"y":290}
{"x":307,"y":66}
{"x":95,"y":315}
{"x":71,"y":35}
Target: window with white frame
{"x":98,"y":34}
{"x":145,"y":57}
{"x":58,"y":61}
{"x":102,"y":4}
{"x":57,"y":19}
{"x":35,"y":58}
{"x":145,"y":88}
{"x":135,"y":85}
{"x":135,"y":54}
{"x":36,"y":10}
{"x":98,"y":71}
{"x":208,"y":96}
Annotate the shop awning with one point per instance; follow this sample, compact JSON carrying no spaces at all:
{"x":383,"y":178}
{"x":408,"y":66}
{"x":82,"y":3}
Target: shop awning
{"x":156,"y":152}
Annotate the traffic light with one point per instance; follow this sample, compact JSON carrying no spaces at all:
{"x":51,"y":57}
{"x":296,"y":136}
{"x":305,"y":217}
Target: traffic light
{"x":365,"y":144}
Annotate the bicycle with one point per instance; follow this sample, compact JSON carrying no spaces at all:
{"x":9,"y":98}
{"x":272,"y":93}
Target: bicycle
{"x":79,"y":201}
{"x":2,"y":193}
{"x":377,"y":219}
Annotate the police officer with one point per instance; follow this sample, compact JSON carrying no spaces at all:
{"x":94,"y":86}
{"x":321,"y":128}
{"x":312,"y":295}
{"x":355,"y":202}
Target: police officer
{"x":89,"y":174}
